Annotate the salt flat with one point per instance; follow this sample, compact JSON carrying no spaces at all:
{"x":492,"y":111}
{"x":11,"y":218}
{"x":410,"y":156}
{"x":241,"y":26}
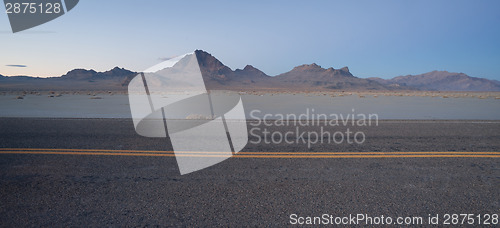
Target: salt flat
{"x":386,"y":106}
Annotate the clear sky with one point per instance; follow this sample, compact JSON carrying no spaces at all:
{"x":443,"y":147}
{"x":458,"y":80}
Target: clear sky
{"x":373,"y":38}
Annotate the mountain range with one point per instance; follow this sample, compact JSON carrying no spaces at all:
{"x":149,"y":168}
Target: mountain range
{"x":307,"y":77}
{"x":442,"y":81}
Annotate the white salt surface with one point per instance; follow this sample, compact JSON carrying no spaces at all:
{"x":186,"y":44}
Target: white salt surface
{"x":66,"y":106}
{"x":386,"y":107}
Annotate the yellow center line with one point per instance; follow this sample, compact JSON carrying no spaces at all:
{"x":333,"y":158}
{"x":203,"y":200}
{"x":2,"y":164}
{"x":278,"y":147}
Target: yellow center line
{"x":99,"y":150}
{"x":374,"y":156}
{"x":254,"y":154}
{"x":41,"y":150}
{"x":84,"y":153}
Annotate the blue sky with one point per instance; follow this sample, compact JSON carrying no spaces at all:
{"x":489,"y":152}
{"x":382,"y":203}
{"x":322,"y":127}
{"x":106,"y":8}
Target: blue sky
{"x":373,"y":38}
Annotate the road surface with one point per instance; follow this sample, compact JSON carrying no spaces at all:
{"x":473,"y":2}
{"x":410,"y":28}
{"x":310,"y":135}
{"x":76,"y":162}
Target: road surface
{"x":99,"y":172}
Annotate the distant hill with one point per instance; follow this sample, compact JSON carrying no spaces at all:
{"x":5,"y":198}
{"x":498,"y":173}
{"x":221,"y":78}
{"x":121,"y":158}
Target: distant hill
{"x":443,"y":81}
{"x":116,"y":77}
{"x":82,"y":74}
{"x":78,"y":79}
{"x":314,"y":77}
{"x":307,"y":77}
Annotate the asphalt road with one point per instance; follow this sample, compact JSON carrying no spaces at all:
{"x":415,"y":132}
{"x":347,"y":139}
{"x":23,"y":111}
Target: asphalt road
{"x":60,"y":190}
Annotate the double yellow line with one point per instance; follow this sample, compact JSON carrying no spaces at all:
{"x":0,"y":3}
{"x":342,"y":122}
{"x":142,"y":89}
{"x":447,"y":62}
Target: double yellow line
{"x":252,"y":154}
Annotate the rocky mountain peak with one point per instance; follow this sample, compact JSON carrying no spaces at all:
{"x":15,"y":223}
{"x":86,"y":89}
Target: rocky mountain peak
{"x":209,"y":62}
{"x":117,"y":72}
{"x":249,"y":72}
{"x":345,"y":69}
{"x":249,"y":68}
{"x":80,"y":73}
{"x":308,"y":67}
